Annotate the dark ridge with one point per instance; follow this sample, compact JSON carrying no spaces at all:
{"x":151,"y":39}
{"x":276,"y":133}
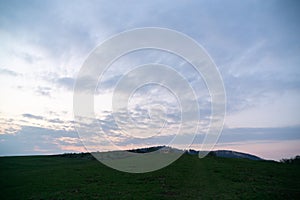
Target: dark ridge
{"x":166,"y":149}
{"x":146,"y":149}
{"x":226,"y":154}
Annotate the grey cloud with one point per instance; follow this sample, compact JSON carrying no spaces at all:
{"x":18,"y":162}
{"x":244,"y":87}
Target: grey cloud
{"x":44,"y":91}
{"x":27,"y":115}
{"x":30,"y":58}
{"x":4,"y":71}
{"x":253,"y":134}
{"x":26,"y":139}
{"x":85,"y":83}
{"x":247,"y":91}
{"x":240,"y":135}
{"x":66,"y":82}
{"x":50,"y":141}
{"x":224,"y":31}
{"x":58,"y":121}
{"x":68,"y":34}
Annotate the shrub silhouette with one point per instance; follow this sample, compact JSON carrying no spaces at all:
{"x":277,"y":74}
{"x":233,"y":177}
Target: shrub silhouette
{"x":295,"y":160}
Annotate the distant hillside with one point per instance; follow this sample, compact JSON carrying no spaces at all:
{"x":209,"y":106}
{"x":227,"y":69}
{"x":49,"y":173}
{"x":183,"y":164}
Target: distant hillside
{"x":163,"y":149}
{"x":234,"y":154}
{"x":227,"y":154}
{"x":218,"y":153}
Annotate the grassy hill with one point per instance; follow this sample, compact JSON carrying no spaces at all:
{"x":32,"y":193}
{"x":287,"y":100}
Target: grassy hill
{"x":62,"y":177}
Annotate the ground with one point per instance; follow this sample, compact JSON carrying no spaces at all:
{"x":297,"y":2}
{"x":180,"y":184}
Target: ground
{"x":75,"y":177}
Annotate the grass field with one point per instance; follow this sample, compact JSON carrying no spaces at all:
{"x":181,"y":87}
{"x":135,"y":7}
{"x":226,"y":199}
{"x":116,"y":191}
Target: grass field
{"x":57,"y":177}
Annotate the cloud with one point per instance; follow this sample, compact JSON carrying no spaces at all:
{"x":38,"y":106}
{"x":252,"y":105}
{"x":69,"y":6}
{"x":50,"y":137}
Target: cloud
{"x":58,"y":121}
{"x":34,"y":140}
{"x":8,"y":72}
{"x":44,"y":91}
{"x":14,"y":125}
{"x":274,"y":110}
{"x":254,"y":44}
{"x":33,"y":116}
{"x":230,"y":135}
{"x":68,"y":140}
{"x":66,"y":82}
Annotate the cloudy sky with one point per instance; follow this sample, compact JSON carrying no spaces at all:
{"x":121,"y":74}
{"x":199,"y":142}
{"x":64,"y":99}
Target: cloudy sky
{"x":254,"y":44}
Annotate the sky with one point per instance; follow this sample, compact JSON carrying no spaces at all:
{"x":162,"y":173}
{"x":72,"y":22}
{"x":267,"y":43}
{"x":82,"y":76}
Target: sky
{"x":254,"y":44}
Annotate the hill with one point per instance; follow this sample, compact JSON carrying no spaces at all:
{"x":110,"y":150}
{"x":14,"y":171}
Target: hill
{"x":81,"y":177}
{"x":217,"y":153}
{"x":227,"y":154}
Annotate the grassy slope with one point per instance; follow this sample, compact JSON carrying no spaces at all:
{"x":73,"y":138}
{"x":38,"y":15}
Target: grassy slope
{"x":54,"y":177}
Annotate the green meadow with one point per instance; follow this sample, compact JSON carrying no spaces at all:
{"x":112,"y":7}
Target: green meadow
{"x":62,"y":177}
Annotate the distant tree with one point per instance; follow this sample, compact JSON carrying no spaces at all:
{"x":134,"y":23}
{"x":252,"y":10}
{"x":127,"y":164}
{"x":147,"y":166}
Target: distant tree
{"x":295,"y":160}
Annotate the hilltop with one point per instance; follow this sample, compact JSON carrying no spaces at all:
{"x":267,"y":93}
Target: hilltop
{"x":217,"y":153}
{"x":166,"y":149}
